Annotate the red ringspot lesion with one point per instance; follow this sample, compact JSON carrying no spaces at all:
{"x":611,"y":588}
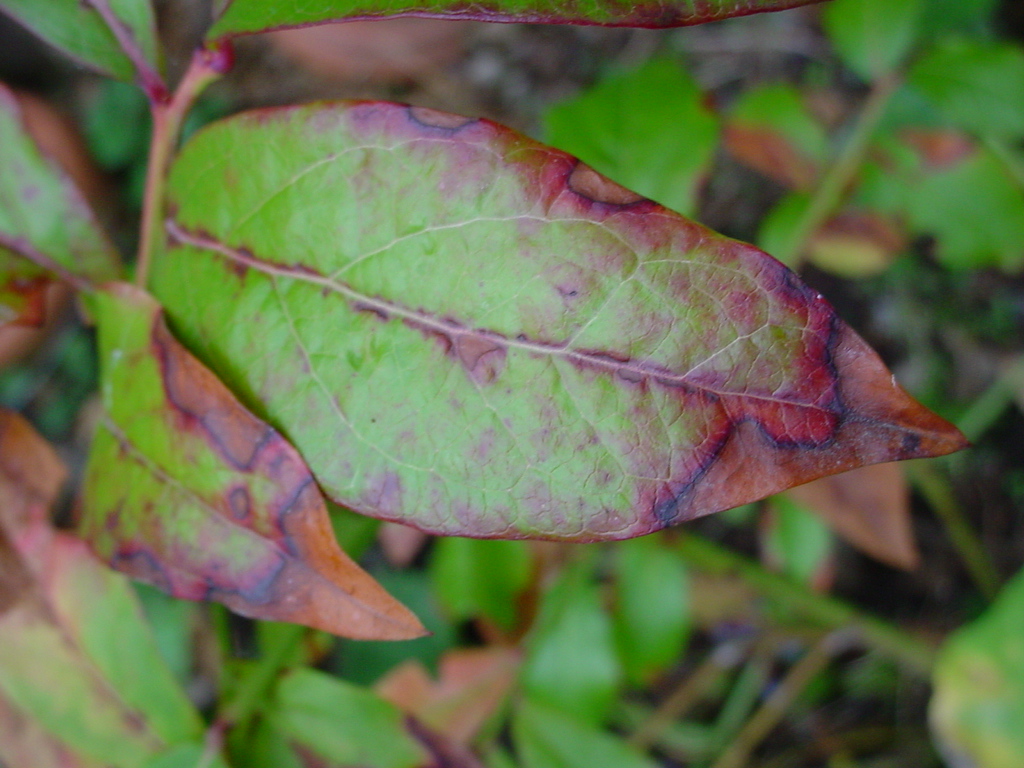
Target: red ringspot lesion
{"x":588,"y":183}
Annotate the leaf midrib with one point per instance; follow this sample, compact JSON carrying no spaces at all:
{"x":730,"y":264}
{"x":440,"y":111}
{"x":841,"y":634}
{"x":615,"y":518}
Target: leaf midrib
{"x":608,"y":363}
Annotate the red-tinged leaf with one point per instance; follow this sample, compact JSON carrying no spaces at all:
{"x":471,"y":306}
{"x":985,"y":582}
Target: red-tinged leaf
{"x":472,"y":684}
{"x":189,"y":491}
{"x":240,"y":17}
{"x":856,"y":244}
{"x":467,"y":331}
{"x":79,"y":661}
{"x":26,"y":744}
{"x":771,"y":129}
{"x":870,"y":508}
{"x":43,"y":216}
{"x":31,"y":473}
{"x":81,"y":680}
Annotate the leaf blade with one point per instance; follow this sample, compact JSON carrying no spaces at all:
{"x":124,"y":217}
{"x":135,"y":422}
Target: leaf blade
{"x":249,"y":527}
{"x":469,"y":358}
{"x":248,"y":16}
{"x":43,"y":216}
{"x":114,"y":37}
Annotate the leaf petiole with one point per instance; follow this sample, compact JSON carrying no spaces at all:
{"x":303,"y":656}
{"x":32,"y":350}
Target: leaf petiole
{"x":168,"y":115}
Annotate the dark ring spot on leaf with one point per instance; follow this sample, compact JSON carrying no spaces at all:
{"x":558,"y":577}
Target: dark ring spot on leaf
{"x":432,"y":118}
{"x":588,"y":183}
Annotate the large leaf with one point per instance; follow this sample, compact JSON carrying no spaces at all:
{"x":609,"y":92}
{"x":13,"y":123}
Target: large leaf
{"x":651,"y":129}
{"x":978,"y":707}
{"x":470,"y":332}
{"x":43,"y":216}
{"x":246,"y":16}
{"x":189,"y":491}
{"x":115,"y":37}
{"x":81,"y":680}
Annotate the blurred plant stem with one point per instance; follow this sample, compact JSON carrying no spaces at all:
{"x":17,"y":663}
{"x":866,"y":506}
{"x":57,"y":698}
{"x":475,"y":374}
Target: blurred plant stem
{"x":936,"y":489}
{"x":828,"y":612}
{"x":781,"y":698}
{"x":828,"y":195}
{"x":692,"y":689}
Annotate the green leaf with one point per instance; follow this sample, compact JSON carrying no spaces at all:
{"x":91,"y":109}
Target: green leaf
{"x":873,"y":37}
{"x":650,"y":129}
{"x":188,"y":491}
{"x":472,"y":333}
{"x":978,"y":706}
{"x":246,"y":16}
{"x":975,"y":211}
{"x":43,"y":216}
{"x":480,"y":578}
{"x":187,"y":756}
{"x":571,"y":660}
{"x":778,"y":229}
{"x":797,"y":540}
{"x":652,"y":607}
{"x":342,"y":723}
{"x":81,"y":664}
{"x":549,"y":738}
{"x":114,"y":37}
{"x":977,"y":86}
{"x":958,"y":16}
{"x":771,"y":129}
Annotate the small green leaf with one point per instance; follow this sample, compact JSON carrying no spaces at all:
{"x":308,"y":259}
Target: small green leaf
{"x":246,"y":16}
{"x":977,"y":710}
{"x":975,"y":211}
{"x":43,"y":216}
{"x":480,"y":577}
{"x":873,"y":37}
{"x":778,"y":229}
{"x":115,"y":37}
{"x":977,"y":86}
{"x":797,"y":540}
{"x":652,"y":607}
{"x":550,"y":738}
{"x":650,"y":129}
{"x":472,"y":333}
{"x":571,"y":660}
{"x":207,"y":501}
{"x":343,"y":724}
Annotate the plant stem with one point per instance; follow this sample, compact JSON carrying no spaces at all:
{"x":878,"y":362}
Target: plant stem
{"x":937,"y":492}
{"x":150,"y":80}
{"x":989,"y":406}
{"x":774,"y":708}
{"x":827,"y":611}
{"x":833,"y":185}
{"x":168,"y":115}
{"x":255,"y":686}
{"x":692,"y":689}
